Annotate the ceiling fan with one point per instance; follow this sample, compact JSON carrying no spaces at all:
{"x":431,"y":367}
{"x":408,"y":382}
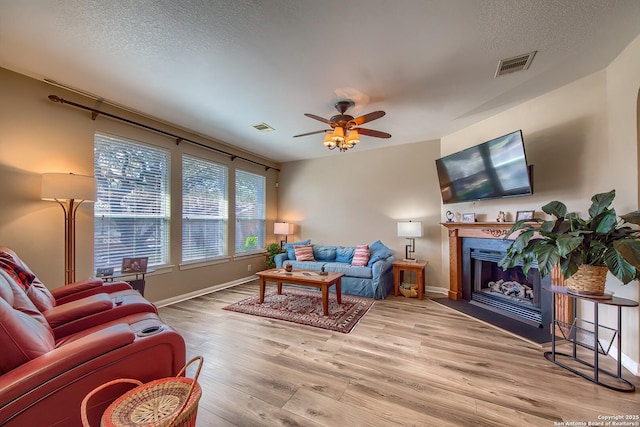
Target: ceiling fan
{"x":345,"y":130}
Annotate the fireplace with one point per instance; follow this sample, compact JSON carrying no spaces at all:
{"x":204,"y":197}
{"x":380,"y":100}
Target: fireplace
{"x":526,"y":316}
{"x":505,"y":292}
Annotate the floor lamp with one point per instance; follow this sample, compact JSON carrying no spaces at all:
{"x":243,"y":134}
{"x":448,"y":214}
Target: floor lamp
{"x":69,"y":191}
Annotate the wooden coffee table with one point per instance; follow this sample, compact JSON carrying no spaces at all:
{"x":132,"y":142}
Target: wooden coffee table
{"x":302,"y":278}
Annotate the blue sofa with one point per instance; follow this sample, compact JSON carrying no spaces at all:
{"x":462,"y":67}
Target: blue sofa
{"x":375,"y":280}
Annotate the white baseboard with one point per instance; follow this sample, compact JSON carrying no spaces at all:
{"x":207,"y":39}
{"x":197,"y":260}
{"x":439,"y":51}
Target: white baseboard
{"x":200,"y":292}
{"x":436,"y":290}
{"x":631,"y":365}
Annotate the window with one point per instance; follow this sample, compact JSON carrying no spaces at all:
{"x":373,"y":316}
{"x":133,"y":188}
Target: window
{"x":132,"y":211}
{"x":204,"y":209}
{"x":250,"y":212}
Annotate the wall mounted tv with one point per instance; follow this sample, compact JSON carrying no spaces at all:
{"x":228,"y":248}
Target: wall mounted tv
{"x":491,"y":170}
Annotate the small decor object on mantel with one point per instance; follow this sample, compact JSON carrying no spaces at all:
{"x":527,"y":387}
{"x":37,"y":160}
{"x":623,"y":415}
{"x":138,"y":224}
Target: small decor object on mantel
{"x":469,"y":217}
{"x":585,"y":249}
{"x":524,"y":215}
{"x":450,"y":216}
{"x":502,"y":217}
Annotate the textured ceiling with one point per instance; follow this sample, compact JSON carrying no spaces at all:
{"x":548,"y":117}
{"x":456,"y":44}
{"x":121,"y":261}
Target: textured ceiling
{"x":218,"y":67}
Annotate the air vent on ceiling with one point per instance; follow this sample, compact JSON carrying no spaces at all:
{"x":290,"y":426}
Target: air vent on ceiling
{"x":263,"y":127}
{"x":517,"y":63}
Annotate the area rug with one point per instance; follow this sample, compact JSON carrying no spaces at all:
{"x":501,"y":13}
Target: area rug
{"x":305,"y":307}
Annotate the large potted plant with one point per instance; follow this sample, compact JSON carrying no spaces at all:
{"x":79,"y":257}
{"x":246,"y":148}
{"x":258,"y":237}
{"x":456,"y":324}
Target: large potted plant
{"x":585,"y":249}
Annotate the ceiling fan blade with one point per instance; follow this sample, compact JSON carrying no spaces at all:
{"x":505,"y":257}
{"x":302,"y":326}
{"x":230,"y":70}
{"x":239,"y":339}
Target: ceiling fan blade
{"x":322,"y":119}
{"x":312,"y":133}
{"x":368,"y":117}
{"x":371,"y":132}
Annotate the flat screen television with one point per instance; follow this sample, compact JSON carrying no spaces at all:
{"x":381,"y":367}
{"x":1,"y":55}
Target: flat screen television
{"x":491,"y":170}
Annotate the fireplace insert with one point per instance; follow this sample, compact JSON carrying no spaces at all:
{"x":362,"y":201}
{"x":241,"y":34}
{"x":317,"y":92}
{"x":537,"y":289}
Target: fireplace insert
{"x":506,"y":292}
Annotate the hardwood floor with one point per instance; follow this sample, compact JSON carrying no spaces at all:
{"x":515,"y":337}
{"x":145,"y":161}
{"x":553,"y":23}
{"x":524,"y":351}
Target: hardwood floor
{"x":407,"y":363}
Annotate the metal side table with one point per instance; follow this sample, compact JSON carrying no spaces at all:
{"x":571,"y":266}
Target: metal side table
{"x":588,"y":335}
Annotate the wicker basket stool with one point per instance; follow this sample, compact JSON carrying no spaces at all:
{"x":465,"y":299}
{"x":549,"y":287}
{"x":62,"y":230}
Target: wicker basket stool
{"x":167,"y":402}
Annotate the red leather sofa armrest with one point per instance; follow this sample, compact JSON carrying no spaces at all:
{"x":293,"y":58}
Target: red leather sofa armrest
{"x":72,"y":288}
{"x":38,"y":371}
{"x":74,"y":310}
{"x":63,"y":296}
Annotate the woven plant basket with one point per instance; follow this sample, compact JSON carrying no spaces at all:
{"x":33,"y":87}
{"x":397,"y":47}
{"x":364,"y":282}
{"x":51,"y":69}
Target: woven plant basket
{"x":167,"y":402}
{"x":588,"y":280}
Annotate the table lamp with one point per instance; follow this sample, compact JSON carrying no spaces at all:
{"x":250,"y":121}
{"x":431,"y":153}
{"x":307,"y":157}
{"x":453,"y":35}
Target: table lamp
{"x":410,"y":230}
{"x":282,"y":229}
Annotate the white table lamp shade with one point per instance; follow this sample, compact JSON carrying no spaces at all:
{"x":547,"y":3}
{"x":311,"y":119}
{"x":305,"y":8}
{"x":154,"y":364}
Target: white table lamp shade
{"x":410,"y":229}
{"x":281,"y":228}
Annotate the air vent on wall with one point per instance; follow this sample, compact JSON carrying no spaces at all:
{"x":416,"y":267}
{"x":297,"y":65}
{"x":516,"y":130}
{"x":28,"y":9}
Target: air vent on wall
{"x":517,"y":63}
{"x":263,"y":127}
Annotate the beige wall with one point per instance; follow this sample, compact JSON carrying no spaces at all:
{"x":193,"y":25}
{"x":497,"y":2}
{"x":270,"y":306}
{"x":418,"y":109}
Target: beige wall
{"x":357,"y":197}
{"x":582,"y":139}
{"x":38,"y":136}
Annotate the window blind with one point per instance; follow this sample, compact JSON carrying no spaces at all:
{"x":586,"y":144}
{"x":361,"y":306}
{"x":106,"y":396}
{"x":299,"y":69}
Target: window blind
{"x":205,"y":208}
{"x":250,"y":212}
{"x":132,"y":210}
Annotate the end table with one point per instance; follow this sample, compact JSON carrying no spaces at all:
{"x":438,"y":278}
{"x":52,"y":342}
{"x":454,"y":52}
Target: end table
{"x":399,"y":267}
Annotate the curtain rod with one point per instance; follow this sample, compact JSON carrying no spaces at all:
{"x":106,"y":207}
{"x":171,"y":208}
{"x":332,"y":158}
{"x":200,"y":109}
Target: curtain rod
{"x":179,"y":139}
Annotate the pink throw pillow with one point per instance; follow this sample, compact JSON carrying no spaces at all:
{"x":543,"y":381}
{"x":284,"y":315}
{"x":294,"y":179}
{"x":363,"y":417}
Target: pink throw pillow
{"x":361,"y":256}
{"x":304,"y":253}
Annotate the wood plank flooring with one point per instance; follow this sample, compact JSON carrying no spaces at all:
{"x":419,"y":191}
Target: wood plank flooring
{"x":407,"y":363}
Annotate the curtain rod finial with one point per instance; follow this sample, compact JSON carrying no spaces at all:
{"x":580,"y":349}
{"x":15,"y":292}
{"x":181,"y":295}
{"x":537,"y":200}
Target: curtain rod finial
{"x":55,"y":98}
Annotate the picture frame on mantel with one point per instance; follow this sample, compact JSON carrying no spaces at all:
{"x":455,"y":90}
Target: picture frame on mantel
{"x":524,"y":215}
{"x":469,"y":217}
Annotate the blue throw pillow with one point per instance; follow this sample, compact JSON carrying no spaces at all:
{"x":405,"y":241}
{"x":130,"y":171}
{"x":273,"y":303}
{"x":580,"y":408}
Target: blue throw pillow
{"x":289,"y":248}
{"x":324,"y":252}
{"x":378,"y":251}
{"x":345,"y":253}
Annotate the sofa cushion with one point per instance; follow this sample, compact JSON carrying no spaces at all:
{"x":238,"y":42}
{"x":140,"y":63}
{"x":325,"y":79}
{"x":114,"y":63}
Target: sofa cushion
{"x":23,"y":338}
{"x":361,"y":256}
{"x":349,"y":270}
{"x":345,"y":254}
{"x":305,"y":265}
{"x":303,"y":253}
{"x":324,"y":252}
{"x":289,"y":248}
{"x":378,"y":251}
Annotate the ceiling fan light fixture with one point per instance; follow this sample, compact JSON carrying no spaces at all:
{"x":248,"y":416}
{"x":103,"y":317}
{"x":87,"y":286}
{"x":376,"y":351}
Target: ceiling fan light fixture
{"x":345,"y":129}
{"x":329,"y":142}
{"x":338,"y":134}
{"x":353,"y":138}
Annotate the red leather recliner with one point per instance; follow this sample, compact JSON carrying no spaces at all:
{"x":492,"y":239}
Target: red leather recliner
{"x":77,"y":306}
{"x":43,"y":378}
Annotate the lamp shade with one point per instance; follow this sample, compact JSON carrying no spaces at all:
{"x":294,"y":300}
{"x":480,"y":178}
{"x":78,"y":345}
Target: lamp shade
{"x":281,"y":228}
{"x":410,"y":229}
{"x":353,"y":137}
{"x":68,"y":186}
{"x":338,"y":134}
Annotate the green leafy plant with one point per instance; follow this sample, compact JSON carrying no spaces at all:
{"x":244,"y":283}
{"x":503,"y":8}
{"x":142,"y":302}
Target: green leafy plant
{"x":603,"y":239}
{"x":273,"y":249}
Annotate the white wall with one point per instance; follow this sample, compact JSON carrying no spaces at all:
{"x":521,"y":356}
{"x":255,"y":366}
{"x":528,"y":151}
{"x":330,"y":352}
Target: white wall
{"x":357,"y":197}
